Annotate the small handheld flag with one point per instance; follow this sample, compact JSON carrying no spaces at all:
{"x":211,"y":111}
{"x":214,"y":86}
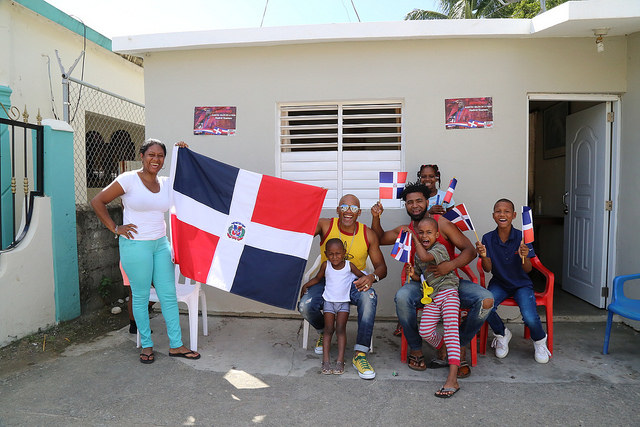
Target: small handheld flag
{"x":402,"y":247}
{"x":460,"y":217}
{"x":527,"y":225}
{"x":450,"y":190}
{"x":392,"y":184}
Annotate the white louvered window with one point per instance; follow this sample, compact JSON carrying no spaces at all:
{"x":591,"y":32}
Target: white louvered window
{"x":341,"y":147}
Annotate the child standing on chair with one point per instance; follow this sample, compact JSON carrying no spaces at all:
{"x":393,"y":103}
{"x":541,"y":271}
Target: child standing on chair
{"x":504,"y":254}
{"x":442,"y":302}
{"x":339,"y":274}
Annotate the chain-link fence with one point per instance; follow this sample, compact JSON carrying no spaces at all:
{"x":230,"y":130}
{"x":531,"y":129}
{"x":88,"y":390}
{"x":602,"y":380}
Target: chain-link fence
{"x":108,"y":132}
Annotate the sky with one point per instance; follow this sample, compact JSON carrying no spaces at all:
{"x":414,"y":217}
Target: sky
{"x":130,"y":17}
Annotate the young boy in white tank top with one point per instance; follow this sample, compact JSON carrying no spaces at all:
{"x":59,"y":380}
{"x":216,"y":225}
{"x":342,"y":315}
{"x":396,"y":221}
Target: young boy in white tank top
{"x":339,"y":274}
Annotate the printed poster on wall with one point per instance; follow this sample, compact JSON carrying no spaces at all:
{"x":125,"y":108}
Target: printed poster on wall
{"x":214,"y":121}
{"x":468,"y":113}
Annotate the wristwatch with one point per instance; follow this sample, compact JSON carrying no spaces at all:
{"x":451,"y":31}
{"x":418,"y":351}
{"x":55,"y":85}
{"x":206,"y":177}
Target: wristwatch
{"x":375,"y":278}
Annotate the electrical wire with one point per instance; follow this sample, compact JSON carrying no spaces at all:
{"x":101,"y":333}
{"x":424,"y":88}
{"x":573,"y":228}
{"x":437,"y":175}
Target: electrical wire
{"x":264,"y":12}
{"x":53,"y":101}
{"x":344,"y":6}
{"x":355,"y":10}
{"x":84,"y":49}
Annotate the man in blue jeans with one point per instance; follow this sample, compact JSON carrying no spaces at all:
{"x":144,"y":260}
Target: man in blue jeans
{"x":360,"y":242}
{"x":473,"y":297}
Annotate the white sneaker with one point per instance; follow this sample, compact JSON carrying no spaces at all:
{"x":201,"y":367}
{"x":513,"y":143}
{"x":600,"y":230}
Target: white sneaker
{"x":542,"y":353}
{"x":318,"y":349}
{"x":501,"y":344}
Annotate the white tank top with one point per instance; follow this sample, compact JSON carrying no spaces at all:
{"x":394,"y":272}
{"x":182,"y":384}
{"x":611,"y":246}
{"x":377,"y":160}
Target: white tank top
{"x":338,"y":283}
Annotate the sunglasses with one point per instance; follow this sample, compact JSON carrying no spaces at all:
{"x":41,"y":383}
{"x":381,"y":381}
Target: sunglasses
{"x":353,"y":208}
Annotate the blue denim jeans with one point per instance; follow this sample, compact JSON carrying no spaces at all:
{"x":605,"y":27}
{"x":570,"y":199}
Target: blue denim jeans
{"x":526,"y":300}
{"x":311,"y":303}
{"x":471,"y":296}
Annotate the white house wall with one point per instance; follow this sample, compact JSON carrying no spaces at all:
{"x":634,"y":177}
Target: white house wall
{"x":628,"y":242}
{"x":27,"y":38}
{"x":488,"y":163}
{"x":27,"y":292}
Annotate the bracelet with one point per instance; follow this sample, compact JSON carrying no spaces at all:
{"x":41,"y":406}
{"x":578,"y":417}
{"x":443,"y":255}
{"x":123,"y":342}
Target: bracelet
{"x":115,"y":231}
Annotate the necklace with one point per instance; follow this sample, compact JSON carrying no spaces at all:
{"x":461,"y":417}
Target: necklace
{"x":348,"y":255}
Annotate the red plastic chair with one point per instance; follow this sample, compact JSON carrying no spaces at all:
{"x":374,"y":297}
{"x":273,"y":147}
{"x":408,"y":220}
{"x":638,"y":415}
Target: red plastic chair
{"x":542,"y":298}
{"x":404,"y":345}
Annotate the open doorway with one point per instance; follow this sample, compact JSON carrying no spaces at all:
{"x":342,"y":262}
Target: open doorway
{"x":570,"y":181}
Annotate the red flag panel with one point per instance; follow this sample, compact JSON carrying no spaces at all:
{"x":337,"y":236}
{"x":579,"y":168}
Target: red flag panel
{"x":279,"y":203}
{"x":194,"y":264}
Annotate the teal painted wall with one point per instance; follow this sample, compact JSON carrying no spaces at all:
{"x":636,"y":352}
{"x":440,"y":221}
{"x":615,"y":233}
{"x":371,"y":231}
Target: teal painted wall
{"x":6,"y":202}
{"x":59,"y":185}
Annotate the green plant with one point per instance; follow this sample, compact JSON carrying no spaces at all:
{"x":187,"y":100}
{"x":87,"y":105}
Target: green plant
{"x":105,"y":286}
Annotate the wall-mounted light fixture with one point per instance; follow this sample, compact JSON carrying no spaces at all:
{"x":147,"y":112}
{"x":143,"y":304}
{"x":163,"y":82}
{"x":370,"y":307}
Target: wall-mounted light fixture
{"x":599,"y":33}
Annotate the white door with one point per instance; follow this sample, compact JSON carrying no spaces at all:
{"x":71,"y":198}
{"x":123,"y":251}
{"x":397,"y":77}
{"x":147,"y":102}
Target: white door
{"x":587,"y":220}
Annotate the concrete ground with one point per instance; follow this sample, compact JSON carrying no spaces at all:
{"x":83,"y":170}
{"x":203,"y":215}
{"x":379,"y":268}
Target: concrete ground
{"x":253,"y":371}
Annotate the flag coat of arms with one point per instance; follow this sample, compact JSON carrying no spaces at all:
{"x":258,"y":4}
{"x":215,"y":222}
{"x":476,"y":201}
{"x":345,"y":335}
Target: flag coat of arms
{"x":392,"y":184}
{"x":240,"y":231}
{"x":459,"y":216}
{"x":450,"y":190}
{"x":527,"y":225}
{"x":402,"y":248}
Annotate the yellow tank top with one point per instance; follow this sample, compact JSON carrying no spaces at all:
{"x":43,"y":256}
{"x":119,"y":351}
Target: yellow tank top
{"x":356,"y":245}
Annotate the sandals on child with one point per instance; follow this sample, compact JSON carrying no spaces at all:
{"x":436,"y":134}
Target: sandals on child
{"x":326,"y":368}
{"x":339,"y":369}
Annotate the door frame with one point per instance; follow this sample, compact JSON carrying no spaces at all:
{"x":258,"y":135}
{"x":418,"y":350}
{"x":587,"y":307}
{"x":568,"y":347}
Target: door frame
{"x":614,"y":165}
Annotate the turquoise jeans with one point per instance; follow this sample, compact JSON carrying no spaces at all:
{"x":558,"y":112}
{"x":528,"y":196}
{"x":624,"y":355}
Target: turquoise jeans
{"x":146,"y":261}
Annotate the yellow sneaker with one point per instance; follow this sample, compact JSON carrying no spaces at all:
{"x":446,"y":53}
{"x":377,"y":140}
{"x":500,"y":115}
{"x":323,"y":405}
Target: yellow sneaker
{"x":365,"y":370}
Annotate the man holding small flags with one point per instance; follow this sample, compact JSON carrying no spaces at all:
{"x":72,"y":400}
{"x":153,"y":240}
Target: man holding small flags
{"x":477,"y":300}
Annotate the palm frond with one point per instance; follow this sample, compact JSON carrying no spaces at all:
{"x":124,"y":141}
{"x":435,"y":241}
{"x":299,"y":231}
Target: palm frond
{"x":420,"y":15}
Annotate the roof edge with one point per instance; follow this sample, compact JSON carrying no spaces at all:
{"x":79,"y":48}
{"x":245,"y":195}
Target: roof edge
{"x":54,"y":14}
{"x":322,"y":33}
{"x":570,"y":19}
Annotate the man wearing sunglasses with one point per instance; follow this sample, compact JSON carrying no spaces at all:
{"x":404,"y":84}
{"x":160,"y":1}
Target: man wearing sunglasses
{"x":360,"y":242}
{"x":473,"y":297}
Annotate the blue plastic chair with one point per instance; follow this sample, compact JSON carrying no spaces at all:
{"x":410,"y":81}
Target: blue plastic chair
{"x":625,"y":307}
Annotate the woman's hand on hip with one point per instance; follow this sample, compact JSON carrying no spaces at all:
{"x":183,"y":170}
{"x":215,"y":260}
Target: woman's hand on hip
{"x":126,"y":230}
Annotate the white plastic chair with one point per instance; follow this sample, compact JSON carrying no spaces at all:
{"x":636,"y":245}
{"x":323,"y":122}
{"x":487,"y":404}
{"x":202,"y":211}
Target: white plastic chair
{"x":189,"y":293}
{"x":305,"y":278}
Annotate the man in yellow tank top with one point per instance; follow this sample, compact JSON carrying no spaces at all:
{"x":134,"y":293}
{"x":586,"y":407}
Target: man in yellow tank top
{"x":360,"y":242}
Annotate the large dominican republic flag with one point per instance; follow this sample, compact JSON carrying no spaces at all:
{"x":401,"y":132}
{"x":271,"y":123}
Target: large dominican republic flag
{"x":527,"y":225}
{"x":392,"y":184}
{"x":240,"y":231}
{"x":460,"y":217}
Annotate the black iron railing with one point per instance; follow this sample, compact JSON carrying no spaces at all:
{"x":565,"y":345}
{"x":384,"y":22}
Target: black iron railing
{"x":21,"y":155}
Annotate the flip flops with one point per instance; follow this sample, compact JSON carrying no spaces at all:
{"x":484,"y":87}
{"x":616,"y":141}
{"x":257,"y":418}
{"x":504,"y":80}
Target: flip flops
{"x":186,"y":355}
{"x":445,"y":393}
{"x":418,"y":362}
{"x":147,"y":358}
{"x":437,"y":363}
{"x":465,"y":370}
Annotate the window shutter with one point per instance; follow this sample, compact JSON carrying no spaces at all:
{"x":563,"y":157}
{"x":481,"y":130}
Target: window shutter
{"x":341,"y":147}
